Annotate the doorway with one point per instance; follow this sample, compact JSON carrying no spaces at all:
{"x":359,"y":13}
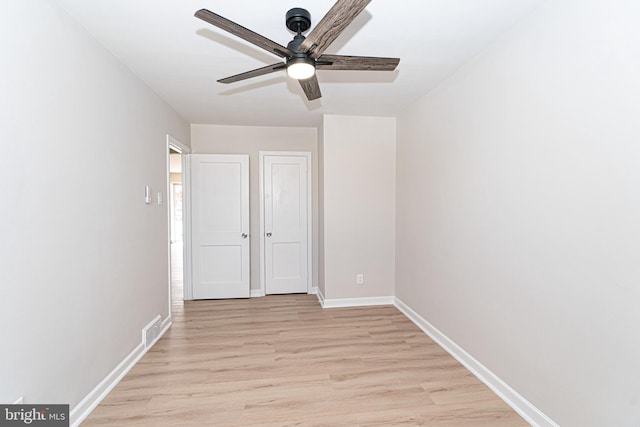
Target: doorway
{"x":176,"y":227}
{"x":177,"y":216}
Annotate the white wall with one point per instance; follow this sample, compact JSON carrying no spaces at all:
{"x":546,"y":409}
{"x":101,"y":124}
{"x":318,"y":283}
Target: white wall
{"x":83,"y":260}
{"x":518,"y":218}
{"x":321,"y":265}
{"x":359,"y":206}
{"x":218,"y":139}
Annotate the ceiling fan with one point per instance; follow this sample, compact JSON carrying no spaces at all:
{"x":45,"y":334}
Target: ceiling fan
{"x":304,"y":55}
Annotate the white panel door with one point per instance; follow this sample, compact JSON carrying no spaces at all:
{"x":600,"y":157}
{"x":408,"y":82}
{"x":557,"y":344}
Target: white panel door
{"x":285,"y":224}
{"x":220,"y":226}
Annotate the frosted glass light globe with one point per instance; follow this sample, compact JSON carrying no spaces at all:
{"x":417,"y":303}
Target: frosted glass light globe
{"x":300,"y":69}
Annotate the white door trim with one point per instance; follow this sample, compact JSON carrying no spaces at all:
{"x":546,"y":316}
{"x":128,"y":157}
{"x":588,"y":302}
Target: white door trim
{"x":173,"y":143}
{"x":186,"y":228}
{"x":263,"y":279}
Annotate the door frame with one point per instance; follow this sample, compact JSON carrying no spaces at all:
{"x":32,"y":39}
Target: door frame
{"x":263,"y":279}
{"x":174,"y":144}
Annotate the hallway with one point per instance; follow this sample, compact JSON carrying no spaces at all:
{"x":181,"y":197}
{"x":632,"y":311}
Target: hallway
{"x":177,"y":272}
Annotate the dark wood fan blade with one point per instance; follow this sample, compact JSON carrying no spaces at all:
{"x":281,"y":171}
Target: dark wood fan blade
{"x":311,"y":88}
{"x":356,"y":63}
{"x":243,"y":33}
{"x":254,"y":73}
{"x":331,"y":25}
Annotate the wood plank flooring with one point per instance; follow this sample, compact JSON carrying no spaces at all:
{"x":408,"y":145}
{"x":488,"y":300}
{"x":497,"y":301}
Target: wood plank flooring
{"x":284,"y":361}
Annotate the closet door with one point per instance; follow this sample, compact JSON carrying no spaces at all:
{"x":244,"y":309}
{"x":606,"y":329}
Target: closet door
{"x":220,"y":224}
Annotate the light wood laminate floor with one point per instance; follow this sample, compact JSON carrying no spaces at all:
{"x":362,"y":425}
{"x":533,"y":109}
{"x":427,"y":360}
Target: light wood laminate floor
{"x":284,"y":361}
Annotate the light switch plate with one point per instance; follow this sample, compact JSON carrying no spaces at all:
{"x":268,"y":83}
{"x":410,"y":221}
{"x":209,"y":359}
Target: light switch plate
{"x":147,"y":194}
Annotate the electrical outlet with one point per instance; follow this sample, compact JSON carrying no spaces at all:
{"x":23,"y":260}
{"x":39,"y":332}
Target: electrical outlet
{"x":360,"y":279}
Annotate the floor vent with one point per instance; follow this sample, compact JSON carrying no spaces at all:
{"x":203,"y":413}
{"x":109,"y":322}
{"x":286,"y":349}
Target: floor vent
{"x":151,"y":332}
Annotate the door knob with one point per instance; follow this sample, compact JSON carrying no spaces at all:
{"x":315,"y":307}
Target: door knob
{"x":268,"y":234}
{"x":244,"y":235}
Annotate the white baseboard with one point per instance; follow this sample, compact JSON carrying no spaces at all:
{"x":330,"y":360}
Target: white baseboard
{"x":314,"y":291}
{"x":356,"y":302}
{"x":320,"y":297}
{"x":522,"y":406}
{"x":95,"y":396}
{"x":164,"y":327}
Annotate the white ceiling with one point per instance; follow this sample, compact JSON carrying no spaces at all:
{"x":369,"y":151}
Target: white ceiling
{"x":180,"y":57}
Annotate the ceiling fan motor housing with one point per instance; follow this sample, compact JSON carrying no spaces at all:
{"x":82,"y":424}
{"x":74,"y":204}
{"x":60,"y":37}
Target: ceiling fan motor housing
{"x":298,"y":19}
{"x":294,"y":44}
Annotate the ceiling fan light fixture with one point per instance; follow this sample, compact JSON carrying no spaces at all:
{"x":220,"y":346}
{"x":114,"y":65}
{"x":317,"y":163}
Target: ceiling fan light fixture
{"x":301,"y":67}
